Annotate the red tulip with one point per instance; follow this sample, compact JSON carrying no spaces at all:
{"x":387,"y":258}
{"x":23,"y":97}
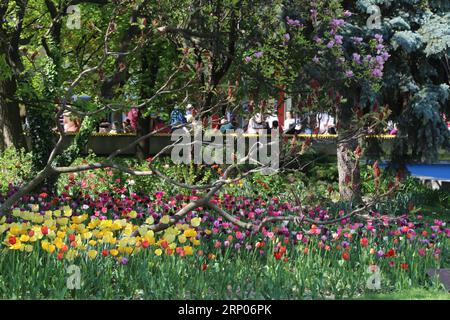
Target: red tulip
{"x":44,"y":230}
{"x":364,"y":242}
{"x":390,"y":253}
{"x":12,"y":240}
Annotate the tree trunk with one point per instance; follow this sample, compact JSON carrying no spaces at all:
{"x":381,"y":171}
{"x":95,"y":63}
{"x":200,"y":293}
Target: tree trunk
{"x":10,"y":122}
{"x":347,"y":163}
{"x":143,"y":128}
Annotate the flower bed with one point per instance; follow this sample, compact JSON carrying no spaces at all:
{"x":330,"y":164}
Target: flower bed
{"x":113,"y":230}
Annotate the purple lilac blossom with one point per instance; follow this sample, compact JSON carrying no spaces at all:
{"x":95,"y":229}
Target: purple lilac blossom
{"x":336,"y":23}
{"x":356,"y":58}
{"x":377,"y":73}
{"x":338,"y":39}
{"x":357,"y":40}
{"x":379,"y":38}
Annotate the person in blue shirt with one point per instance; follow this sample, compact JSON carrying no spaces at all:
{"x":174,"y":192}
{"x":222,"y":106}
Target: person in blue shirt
{"x":176,"y":118}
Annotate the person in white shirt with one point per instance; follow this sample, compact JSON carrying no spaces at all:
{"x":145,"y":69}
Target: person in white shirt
{"x":270,"y":119}
{"x":325,"y":122}
{"x":256,"y":123}
{"x":292,"y":125}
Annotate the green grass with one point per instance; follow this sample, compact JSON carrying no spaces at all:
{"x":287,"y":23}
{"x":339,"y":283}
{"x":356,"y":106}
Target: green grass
{"x":410,"y":294}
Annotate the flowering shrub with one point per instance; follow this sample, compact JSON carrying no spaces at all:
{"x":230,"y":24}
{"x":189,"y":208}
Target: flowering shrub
{"x":320,"y":49}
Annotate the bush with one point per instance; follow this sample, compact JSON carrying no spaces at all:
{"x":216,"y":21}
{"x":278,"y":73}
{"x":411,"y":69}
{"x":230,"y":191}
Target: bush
{"x":15,"y":169}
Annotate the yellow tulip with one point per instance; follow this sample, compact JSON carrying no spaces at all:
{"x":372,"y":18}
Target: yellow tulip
{"x":95,"y":223}
{"x":92,"y":254}
{"x":165,"y":219}
{"x":80,"y":219}
{"x":24,"y":238}
{"x":62,"y":221}
{"x":182,"y":238}
{"x":188,"y":250}
{"x":87,"y":235}
{"x":15,"y":229}
{"x":158,"y":252}
{"x":67,"y":211}
{"x":142,"y":230}
{"x":49,"y":222}
{"x":190,"y":233}
{"x":195,"y":222}
{"x":17,"y":246}
{"x":105,"y":224}
{"x":128,"y":250}
{"x":150,"y":220}
{"x":169,"y":237}
{"x":132,"y":214}
{"x":38,"y":219}
{"x":50,"y":248}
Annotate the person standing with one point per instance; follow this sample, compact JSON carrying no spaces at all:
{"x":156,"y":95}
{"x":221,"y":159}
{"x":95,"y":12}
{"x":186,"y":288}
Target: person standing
{"x":176,"y":118}
{"x":325,"y":122}
{"x":133,"y":115}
